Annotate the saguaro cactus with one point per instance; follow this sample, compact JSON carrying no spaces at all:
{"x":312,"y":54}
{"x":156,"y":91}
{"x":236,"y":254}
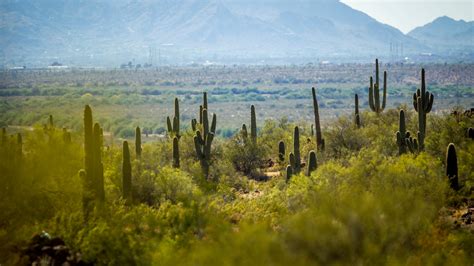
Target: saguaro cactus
{"x":88,"y":148}
{"x":173,"y":127}
{"x":94,"y":172}
{"x":175,"y":152}
{"x":356,"y":111}
{"x":202,"y":107}
{"x":402,"y":134}
{"x":423,"y":102}
{"x":138,"y":142}
{"x":126,"y":173}
{"x":86,"y":193}
{"x":173,"y":131}
{"x":412,"y":143}
{"x":295,"y":157}
{"x":244,"y":132}
{"x":51,"y":122}
{"x":374,"y":91}
{"x":289,"y":173}
{"x":296,"y":150}
{"x":281,"y":151}
{"x":202,"y":142}
{"x":253,"y":125}
{"x":98,"y":166}
{"x":319,"y":136}
{"x":470,"y":133}
{"x":452,"y":166}
{"x":312,"y":163}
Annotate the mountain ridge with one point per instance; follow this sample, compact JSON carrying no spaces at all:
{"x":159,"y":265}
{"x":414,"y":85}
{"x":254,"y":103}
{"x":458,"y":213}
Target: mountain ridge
{"x":103,"y":32}
{"x":446,"y":33}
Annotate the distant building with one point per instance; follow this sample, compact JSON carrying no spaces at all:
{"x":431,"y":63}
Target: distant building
{"x":57,"y":65}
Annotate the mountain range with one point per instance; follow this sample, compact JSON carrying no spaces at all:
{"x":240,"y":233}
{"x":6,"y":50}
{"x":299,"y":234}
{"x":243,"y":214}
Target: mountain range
{"x":108,"y":32}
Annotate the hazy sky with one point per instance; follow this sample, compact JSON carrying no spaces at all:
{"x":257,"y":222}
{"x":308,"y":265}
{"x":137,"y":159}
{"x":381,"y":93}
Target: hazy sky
{"x":409,"y":14}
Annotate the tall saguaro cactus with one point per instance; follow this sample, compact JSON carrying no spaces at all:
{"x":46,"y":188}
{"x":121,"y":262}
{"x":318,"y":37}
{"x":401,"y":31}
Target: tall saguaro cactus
{"x":374,"y":91}
{"x":175,"y":152}
{"x":138,"y":142}
{"x":296,"y":149}
{"x":203,"y":141}
{"x":422,"y":102}
{"x":173,"y":131}
{"x":402,"y":134}
{"x":126,"y":173}
{"x":319,"y":137}
{"x":94,"y":171}
{"x":452,"y":166}
{"x":173,"y":126}
{"x":98,"y":166}
{"x":253,"y":125}
{"x":356,"y":111}
{"x":88,"y":149}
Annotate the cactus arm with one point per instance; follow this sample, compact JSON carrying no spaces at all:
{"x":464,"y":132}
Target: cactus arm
{"x":384,"y":99}
{"x":292,"y":160}
{"x":204,"y":105}
{"x":205,"y":122}
{"x":213,"y":123}
{"x":371,"y":95}
{"x":168,"y":124}
{"x":176,"y":114}
{"x":197,"y":146}
{"x":200,"y":114}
